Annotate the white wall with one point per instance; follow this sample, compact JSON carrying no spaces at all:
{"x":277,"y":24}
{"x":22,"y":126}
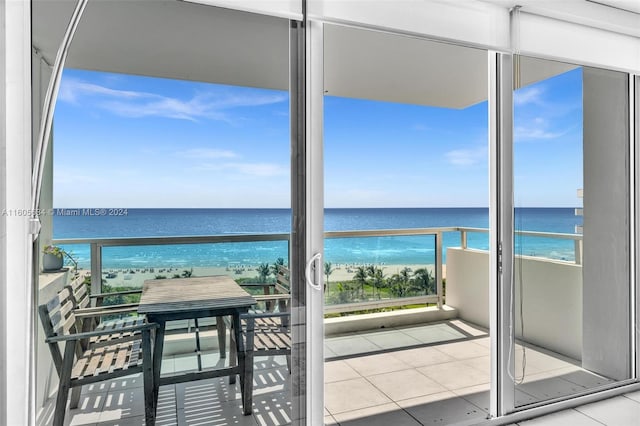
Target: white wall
{"x":290,"y":9}
{"x":467,"y":21}
{"x":552,"y":298}
{"x":15,"y":173}
{"x":606,"y":248}
{"x":3,"y":221}
{"x":581,"y":32}
{"x":580,"y":44}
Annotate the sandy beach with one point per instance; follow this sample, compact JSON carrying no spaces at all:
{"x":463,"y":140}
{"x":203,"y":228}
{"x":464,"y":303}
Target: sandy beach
{"x":134,"y":277}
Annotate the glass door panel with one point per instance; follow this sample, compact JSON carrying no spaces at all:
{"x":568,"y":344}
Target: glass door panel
{"x":193,"y":152}
{"x":571,"y":280}
{"x":406,"y":266}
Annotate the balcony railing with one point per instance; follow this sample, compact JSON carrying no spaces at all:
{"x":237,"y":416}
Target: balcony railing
{"x":97,"y":245}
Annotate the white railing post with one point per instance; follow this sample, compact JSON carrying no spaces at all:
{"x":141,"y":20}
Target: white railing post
{"x":578,"y":251}
{"x":463,"y":239}
{"x":439,"y":257}
{"x":96,"y":268}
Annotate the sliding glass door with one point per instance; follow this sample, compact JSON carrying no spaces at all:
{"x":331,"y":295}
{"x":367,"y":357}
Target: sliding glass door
{"x":406,"y":268}
{"x":571,"y":282}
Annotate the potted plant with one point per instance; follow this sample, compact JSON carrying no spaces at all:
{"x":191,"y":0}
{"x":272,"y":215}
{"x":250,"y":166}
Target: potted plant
{"x":53,"y":258}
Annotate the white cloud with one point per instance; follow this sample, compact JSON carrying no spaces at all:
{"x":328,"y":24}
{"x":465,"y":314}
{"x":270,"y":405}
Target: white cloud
{"x":134,"y":104}
{"x":536,"y":128}
{"x":467,"y":157}
{"x":530,"y":95}
{"x":522,"y":133}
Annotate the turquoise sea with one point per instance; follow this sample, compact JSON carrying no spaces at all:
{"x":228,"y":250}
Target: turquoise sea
{"x":370,"y":250}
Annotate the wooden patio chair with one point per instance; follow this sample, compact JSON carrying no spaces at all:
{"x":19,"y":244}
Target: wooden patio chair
{"x":77,"y":366}
{"x":90,"y":318}
{"x":267,"y":333}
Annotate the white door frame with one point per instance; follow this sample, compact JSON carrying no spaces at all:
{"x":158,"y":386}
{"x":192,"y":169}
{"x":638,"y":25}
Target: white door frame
{"x":315,"y":221}
{"x":502,"y":397}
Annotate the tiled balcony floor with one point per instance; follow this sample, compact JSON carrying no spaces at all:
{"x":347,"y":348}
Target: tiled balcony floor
{"x":431,"y":374}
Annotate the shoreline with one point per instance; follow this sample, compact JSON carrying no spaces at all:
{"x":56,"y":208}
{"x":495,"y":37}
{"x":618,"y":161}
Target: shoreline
{"x":135,"y":277}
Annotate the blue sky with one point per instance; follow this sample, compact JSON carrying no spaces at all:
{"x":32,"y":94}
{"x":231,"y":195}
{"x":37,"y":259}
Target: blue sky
{"x":128,"y":141}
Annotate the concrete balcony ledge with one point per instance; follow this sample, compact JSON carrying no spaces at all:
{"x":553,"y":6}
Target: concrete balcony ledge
{"x":398,"y":318}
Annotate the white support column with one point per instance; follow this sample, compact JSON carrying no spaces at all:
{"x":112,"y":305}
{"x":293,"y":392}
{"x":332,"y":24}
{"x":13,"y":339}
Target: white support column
{"x":16,"y":401}
{"x":606,"y":251}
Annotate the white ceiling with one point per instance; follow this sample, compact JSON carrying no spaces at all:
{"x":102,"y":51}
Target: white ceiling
{"x":628,"y":5}
{"x":179,"y":40}
{"x":367,"y":64}
{"x":168,"y":38}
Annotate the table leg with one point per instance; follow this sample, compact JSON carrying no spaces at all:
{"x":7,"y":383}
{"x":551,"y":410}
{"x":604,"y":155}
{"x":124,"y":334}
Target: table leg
{"x":158,"y":347}
{"x":244,"y":390}
{"x":222,"y":336}
{"x":233,"y":351}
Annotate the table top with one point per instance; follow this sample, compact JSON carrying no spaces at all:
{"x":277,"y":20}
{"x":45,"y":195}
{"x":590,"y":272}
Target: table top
{"x":193,"y":294}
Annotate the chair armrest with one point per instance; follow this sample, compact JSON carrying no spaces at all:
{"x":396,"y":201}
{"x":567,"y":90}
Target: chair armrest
{"x":88,"y":334}
{"x":257,"y":284}
{"x":101,"y":311}
{"x":278,"y":296}
{"x":116,"y":293}
{"x":251,"y":316}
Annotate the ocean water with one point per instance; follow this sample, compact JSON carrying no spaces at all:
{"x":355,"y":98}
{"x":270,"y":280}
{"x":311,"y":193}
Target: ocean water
{"x":376,"y":250}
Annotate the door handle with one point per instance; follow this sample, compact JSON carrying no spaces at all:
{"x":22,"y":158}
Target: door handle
{"x":307,"y":272}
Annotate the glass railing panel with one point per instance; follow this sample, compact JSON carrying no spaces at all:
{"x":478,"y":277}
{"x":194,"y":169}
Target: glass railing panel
{"x":374,"y":268}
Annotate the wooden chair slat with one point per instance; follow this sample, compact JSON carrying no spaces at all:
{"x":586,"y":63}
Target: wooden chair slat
{"x":95,"y":361}
{"x":112,"y":358}
{"x":122,"y":358}
{"x":107,"y":360}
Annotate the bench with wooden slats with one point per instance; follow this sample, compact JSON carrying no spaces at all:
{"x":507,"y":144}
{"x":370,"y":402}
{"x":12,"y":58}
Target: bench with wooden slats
{"x":77,"y":366}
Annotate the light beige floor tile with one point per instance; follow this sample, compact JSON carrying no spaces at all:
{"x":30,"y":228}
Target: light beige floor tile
{"x":88,"y":412}
{"x":442,"y":408}
{"x":338,"y":370}
{"x":392,"y":339}
{"x":405,"y":384}
{"x":482,"y":363}
{"x":455,"y":375}
{"x":619,"y":411}
{"x":421,"y":357}
{"x":468,"y":328}
{"x":422,"y":400}
{"x":127,"y":421}
{"x":477,"y":395}
{"x":353,"y":394}
{"x":548,"y":388}
{"x":563,"y":418}
{"x":330,"y":421}
{"x":206,"y":393}
{"x":350,"y":345}
{"x":382,"y":415}
{"x":229,"y":413}
{"x":483,"y":341}
{"x":542,"y":362}
{"x":121,"y":404}
{"x":633,"y":395}
{"x":270,"y":380}
{"x":272,"y":409}
{"x":464,"y":350}
{"x":376,"y":364}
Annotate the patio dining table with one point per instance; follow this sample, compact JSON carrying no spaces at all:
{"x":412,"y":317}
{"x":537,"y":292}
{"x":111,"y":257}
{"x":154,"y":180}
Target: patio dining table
{"x":192,"y":298}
